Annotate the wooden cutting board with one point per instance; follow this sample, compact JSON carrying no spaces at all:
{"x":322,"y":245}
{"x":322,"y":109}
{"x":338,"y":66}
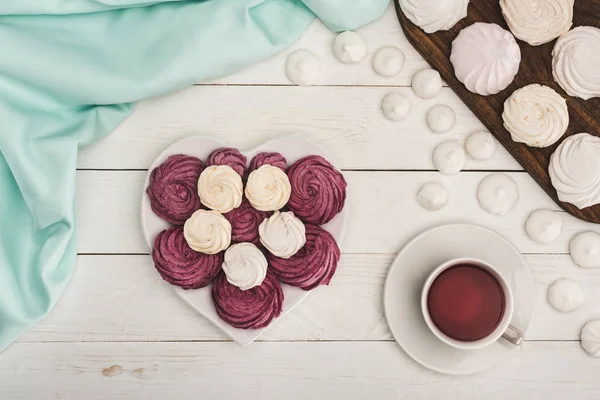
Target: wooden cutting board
{"x":536,"y":67}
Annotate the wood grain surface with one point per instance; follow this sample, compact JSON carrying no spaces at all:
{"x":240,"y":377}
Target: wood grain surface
{"x":120,"y":332}
{"x":282,"y":370}
{"x":384,"y":212}
{"x":108,"y":301}
{"x":536,"y":67}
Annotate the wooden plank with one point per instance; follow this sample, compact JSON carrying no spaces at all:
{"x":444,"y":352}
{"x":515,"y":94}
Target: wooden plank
{"x":385,"y":31}
{"x":384,"y":211}
{"x":536,"y":67}
{"x":122,"y":298}
{"x":346,"y":120}
{"x":368,"y":370}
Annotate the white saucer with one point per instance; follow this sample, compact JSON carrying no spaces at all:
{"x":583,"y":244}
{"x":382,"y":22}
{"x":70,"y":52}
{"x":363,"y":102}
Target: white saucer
{"x":406,"y":278}
{"x":292,"y":148}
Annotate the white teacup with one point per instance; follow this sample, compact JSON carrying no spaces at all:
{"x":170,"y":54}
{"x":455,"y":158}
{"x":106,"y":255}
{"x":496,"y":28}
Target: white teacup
{"x":504,"y":329}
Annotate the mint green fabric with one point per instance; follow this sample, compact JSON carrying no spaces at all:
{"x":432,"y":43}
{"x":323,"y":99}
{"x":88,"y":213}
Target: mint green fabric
{"x":70,"y":72}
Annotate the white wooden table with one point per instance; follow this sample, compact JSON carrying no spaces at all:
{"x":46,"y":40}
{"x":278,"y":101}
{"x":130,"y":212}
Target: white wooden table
{"x":120,"y":332}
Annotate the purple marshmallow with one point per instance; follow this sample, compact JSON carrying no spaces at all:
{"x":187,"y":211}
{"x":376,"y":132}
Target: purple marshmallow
{"x":318,"y":190}
{"x":313,"y":265}
{"x":248,"y":309}
{"x":179,"y":265}
{"x":173,"y":188}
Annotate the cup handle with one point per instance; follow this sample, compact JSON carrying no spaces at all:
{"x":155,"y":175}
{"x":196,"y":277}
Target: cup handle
{"x":513,"y":335}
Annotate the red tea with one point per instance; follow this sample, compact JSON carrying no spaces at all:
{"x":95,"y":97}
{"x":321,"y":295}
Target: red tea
{"x":466,"y":302}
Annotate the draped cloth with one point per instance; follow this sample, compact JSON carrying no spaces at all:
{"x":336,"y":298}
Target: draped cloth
{"x":72,"y":70}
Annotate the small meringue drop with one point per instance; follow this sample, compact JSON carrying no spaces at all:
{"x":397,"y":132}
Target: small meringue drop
{"x":590,"y":338}
{"x":441,"y":118}
{"x":449,"y":157}
{"x":538,"y":21}
{"x":388,"y":61}
{"x":434,"y":15}
{"x":498,"y":194}
{"x":585,"y":249}
{"x":543,"y":226}
{"x":486,"y":58}
{"x":565,"y":295}
{"x":303,"y":68}
{"x":433,"y":196}
{"x":349,"y":47}
{"x":395,"y":106}
{"x":481,"y":145}
{"x":427,"y":83}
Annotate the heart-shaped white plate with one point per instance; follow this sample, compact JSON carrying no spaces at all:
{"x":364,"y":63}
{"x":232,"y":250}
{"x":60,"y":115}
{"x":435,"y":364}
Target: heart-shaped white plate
{"x":293,"y":149}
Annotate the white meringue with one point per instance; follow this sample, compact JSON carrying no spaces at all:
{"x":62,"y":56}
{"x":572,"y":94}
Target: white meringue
{"x":585,"y":249}
{"x":565,"y":295}
{"x":449,"y":157}
{"x":576,"y":62}
{"x":220,"y":188}
{"x":388,"y":61}
{"x":245,"y":266}
{"x":486,"y":58}
{"x":207,"y":232}
{"x":575,"y":170}
{"x":481,"y":145}
{"x":434,"y":15}
{"x":498,"y":194}
{"x":590,"y":338}
{"x":349,"y":47}
{"x":433,"y":196}
{"x":283,"y":234}
{"x":441,"y":118}
{"x":536,"y":115}
{"x":538,"y":21}
{"x":268,"y":188}
{"x":303,"y":68}
{"x":427,"y":83}
{"x":543,"y":226}
{"x":395,"y":106}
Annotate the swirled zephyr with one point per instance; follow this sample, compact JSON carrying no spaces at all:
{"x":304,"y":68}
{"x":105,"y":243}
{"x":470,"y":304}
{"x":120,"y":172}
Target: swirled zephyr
{"x":538,"y":21}
{"x":228,"y":156}
{"x":179,"y":265}
{"x":434,"y":15}
{"x":575,"y":170}
{"x":274,"y":159}
{"x":318,"y":190}
{"x":313,"y":265}
{"x":172,"y":189}
{"x":245,"y":221}
{"x":575,"y":59}
{"x":536,"y":115}
{"x":248,"y":309}
{"x":485,"y":58}
{"x":220,"y":188}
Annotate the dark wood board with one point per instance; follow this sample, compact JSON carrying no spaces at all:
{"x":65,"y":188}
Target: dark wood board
{"x":536,"y":67}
